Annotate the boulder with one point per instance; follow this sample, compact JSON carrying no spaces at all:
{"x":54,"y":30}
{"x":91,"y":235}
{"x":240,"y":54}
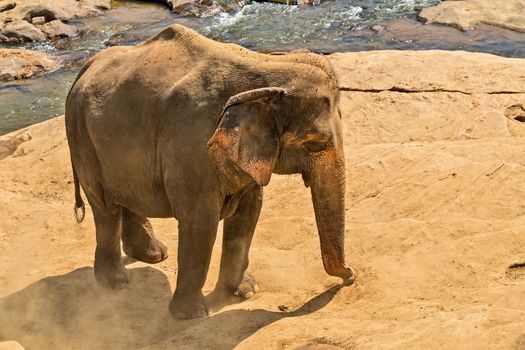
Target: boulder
{"x":192,"y":8}
{"x":57,"y":9}
{"x":41,"y":12}
{"x":21,"y":64}
{"x":178,"y":6}
{"x":22,"y":31}
{"x":465,"y":15}
{"x":57,"y":29}
{"x":102,"y":4}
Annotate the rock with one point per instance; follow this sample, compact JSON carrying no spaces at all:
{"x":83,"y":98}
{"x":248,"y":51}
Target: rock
{"x":22,"y":31}
{"x":38,"y":20}
{"x":57,"y":29}
{"x":102,"y":4}
{"x":464,"y":15}
{"x":178,"y":5}
{"x":20,"y":64}
{"x":493,"y":74}
{"x":516,"y":112}
{"x":58,"y":9}
{"x":377,"y":28}
{"x":8,"y":147}
{"x":32,"y":11}
{"x":189,"y":8}
{"x":120,"y":39}
{"x":7,"y":7}
{"x":435,"y":95}
{"x":200,"y":8}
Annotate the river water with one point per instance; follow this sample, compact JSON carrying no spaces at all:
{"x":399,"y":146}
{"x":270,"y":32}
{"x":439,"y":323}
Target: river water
{"x":343,"y":25}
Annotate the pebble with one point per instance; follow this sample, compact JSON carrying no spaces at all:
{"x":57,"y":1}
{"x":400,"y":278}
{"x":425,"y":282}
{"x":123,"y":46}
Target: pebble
{"x":377,"y":28}
{"x":38,"y":20}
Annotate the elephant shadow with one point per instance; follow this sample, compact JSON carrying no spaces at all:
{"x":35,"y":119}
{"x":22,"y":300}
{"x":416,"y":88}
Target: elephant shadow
{"x":72,"y":312}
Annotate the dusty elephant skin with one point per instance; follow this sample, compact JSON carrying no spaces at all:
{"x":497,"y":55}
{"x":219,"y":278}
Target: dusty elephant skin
{"x":182,"y":126}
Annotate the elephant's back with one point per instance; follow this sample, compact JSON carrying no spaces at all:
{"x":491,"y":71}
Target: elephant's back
{"x":131,"y":109}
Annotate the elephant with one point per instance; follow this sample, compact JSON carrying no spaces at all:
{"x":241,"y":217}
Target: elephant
{"x":185,"y":127}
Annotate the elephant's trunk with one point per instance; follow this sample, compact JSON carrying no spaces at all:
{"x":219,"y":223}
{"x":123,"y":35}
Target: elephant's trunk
{"x":327,"y":182}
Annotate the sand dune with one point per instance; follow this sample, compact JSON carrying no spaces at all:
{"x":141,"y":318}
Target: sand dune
{"x":435,"y":155}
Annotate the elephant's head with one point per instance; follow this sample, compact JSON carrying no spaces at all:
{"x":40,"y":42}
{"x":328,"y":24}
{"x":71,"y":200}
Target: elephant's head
{"x":287,"y":130}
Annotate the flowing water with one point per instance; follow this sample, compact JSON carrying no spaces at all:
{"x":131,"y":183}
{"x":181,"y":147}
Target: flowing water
{"x":342,"y":25}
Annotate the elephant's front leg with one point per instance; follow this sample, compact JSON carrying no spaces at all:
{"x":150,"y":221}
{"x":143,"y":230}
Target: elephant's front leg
{"x":238,"y":234}
{"x":197,"y":232}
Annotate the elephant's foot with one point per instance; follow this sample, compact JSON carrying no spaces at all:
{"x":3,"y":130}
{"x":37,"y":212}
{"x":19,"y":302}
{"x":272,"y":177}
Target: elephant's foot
{"x":248,"y":286}
{"x":151,"y":252}
{"x":246,"y":289}
{"x":110,"y":272}
{"x":188,"y":306}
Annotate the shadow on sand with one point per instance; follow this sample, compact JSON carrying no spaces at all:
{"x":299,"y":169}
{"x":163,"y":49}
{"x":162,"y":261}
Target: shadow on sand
{"x":72,"y":312}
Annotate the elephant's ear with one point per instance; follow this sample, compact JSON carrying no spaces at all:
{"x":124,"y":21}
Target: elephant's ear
{"x":248,"y":132}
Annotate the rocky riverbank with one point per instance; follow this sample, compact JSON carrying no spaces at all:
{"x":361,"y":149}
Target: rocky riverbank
{"x":435,"y":147}
{"x":23,"y":21}
{"x":38,"y":20}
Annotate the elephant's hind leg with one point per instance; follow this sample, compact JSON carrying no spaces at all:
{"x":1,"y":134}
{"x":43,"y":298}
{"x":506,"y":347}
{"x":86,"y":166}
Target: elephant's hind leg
{"x":109,"y":269}
{"x":138,"y":239}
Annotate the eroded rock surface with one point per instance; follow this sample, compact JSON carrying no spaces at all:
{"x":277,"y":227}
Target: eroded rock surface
{"x":57,"y":29}
{"x":20,"y":31}
{"x":465,"y":15}
{"x":20,"y":64}
{"x":429,"y":71}
{"x":28,"y":20}
{"x":201,"y":8}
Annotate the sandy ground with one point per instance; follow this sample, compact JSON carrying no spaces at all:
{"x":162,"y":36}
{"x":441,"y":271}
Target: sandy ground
{"x":435,"y":221}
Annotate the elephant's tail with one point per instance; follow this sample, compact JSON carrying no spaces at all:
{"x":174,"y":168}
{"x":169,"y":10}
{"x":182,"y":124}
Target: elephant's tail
{"x":80,"y":208}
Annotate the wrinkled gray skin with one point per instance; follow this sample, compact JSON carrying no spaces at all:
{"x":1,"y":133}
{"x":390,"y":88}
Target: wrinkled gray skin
{"x":182,"y":126}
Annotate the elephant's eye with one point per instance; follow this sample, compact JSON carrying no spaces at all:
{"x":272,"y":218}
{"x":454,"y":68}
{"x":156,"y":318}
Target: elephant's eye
{"x":314,"y":146}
